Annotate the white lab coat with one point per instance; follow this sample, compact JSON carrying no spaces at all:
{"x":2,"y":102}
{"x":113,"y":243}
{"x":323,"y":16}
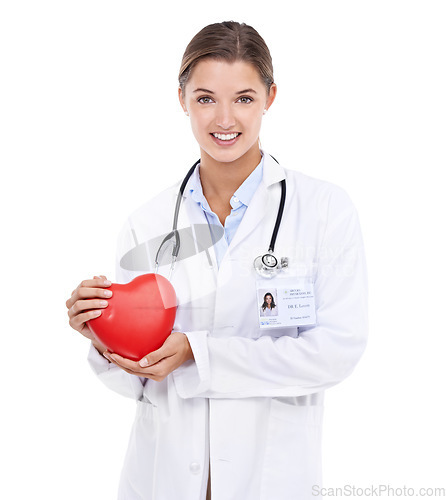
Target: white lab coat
{"x":251,"y":402}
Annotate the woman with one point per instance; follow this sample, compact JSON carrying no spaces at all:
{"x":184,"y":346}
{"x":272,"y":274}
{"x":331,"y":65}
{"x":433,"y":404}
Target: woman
{"x":268,"y":308}
{"x":227,"y":408}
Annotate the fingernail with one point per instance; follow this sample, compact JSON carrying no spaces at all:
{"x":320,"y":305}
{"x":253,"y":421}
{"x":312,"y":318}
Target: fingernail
{"x":103,"y":303}
{"x":108,"y":293}
{"x":143,"y":363}
{"x":107,"y":283}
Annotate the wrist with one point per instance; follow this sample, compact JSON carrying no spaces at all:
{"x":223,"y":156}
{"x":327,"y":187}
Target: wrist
{"x":188,"y":349}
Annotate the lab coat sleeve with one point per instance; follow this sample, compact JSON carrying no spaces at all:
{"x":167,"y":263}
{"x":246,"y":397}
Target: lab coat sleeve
{"x":112,"y":376}
{"x":321,"y":356}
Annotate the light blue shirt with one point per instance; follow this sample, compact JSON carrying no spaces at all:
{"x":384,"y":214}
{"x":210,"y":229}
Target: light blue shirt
{"x":239,"y":203}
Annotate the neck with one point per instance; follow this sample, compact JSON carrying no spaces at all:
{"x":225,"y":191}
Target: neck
{"x":222,"y":179}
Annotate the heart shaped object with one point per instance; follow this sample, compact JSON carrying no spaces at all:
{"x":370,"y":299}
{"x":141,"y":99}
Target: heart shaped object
{"x":139,"y":316}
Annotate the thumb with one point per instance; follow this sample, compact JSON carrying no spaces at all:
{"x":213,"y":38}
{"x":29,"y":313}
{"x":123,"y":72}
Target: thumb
{"x":152,"y":358}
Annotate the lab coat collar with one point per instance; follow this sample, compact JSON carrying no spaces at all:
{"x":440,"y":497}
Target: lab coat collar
{"x":259,"y":207}
{"x":273,"y":173}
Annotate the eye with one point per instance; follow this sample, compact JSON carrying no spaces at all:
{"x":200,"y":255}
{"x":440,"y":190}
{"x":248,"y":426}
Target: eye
{"x":245,"y":99}
{"x":204,"y":100}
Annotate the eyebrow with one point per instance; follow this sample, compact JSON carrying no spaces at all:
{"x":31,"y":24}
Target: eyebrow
{"x":203,"y":90}
{"x":245,"y":91}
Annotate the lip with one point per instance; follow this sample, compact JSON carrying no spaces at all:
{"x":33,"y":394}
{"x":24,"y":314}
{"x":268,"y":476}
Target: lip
{"x":225,"y":143}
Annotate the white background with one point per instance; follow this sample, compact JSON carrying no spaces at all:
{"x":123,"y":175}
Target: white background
{"x":91,"y":128}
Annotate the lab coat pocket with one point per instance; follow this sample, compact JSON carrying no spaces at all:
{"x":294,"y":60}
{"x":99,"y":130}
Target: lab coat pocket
{"x":292,"y":463}
{"x":292,"y":410}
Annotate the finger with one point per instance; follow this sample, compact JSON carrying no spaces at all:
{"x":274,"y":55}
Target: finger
{"x":152,"y":358}
{"x":160,"y":370}
{"x":86,"y":289}
{"x":165,"y":351}
{"x":130,"y":372}
{"x":95,"y":282}
{"x":124,"y":363}
{"x":133,"y":367}
{"x":83,"y":305}
{"x":108,"y":355}
{"x":88,"y":293}
{"x":77,"y":321}
{"x":143,"y":374}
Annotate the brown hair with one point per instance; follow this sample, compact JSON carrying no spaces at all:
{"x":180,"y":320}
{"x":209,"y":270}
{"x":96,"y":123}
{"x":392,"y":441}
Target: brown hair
{"x":229,"y":41}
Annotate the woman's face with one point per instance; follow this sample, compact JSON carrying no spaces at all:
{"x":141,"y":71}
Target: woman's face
{"x":225,"y":102}
{"x":268,"y":299}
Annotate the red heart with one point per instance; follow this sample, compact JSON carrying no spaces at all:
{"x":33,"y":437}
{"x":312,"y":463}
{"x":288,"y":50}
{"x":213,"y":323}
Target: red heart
{"x":139,"y":316}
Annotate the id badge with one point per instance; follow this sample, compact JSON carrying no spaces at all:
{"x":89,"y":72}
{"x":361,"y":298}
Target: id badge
{"x":286,"y":301}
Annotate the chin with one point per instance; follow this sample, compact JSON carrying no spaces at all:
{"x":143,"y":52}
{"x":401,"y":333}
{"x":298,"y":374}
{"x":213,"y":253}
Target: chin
{"x":226,"y":157}
{"x":229,"y":155}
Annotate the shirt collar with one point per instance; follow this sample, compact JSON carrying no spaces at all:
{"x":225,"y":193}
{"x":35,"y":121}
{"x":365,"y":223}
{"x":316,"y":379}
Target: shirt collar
{"x":244,"y":193}
{"x":195,"y":189}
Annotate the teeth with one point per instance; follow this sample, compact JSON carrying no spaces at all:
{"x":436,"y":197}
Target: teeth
{"x":225,"y":137}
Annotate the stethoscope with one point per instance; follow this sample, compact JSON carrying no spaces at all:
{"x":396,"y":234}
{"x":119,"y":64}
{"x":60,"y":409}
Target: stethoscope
{"x":266,"y":265}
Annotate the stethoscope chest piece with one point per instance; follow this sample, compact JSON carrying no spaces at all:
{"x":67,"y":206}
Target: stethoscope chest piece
{"x":268,"y":265}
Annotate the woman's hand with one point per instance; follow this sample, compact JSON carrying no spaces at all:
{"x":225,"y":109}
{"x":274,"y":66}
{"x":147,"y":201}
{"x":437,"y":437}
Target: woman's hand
{"x":158,"y":364}
{"x":85,"y":303}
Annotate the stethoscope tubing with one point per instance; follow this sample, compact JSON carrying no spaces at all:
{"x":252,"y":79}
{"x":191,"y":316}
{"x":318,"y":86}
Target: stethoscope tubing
{"x":174,"y":233}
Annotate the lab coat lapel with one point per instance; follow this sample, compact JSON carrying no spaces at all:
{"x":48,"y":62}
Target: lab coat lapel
{"x":193,"y":214}
{"x":263,"y":202}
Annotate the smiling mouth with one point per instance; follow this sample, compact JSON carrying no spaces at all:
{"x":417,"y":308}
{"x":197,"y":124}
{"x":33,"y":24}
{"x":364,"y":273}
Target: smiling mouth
{"x":226,"y":137}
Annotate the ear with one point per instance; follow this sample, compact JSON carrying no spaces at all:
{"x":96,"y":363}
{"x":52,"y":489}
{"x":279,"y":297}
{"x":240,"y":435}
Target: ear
{"x":180,"y":97}
{"x":271,"y":96}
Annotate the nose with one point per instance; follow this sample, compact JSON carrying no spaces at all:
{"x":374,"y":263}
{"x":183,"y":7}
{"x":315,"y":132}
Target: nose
{"x":225,"y":118}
